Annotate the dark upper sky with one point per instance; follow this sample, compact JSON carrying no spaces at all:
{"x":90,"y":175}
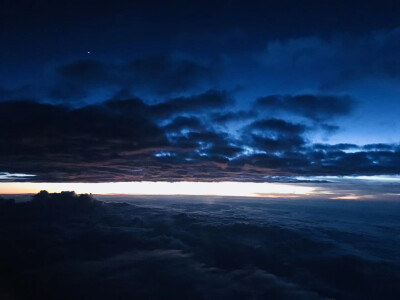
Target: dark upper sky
{"x":199,"y":90}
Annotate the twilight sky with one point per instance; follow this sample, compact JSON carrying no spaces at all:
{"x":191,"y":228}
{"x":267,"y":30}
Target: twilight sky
{"x":258,"y":91}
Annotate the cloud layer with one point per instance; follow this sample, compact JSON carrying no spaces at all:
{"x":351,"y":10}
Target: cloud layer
{"x":178,"y":116}
{"x":197,"y":248}
{"x":317,"y":108}
{"x":123,"y":140}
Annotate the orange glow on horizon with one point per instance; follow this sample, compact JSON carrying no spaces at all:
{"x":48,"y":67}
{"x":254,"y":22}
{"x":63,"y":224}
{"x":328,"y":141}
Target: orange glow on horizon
{"x":240,"y":189}
{"x":354,"y":197}
{"x":347,"y":197}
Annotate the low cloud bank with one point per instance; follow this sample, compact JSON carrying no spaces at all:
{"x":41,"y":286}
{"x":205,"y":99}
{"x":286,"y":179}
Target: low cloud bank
{"x":65,"y":246}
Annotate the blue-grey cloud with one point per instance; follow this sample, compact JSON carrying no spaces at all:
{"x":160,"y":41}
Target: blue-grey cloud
{"x":315,"y":107}
{"x":209,"y":100}
{"x":338,"y":61}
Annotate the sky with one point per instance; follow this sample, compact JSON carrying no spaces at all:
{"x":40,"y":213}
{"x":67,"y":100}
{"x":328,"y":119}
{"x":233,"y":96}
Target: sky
{"x":279,"y":92}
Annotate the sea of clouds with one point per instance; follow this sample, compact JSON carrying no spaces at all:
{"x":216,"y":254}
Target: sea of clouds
{"x":125,"y":247}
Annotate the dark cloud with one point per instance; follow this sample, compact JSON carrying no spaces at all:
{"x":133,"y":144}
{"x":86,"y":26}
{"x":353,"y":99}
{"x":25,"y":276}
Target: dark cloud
{"x":76,"y":247}
{"x":88,"y":71}
{"x":333,"y":160}
{"x":206,"y":145}
{"x":335,"y":147}
{"x":224,"y":150}
{"x":237,"y":116}
{"x":381,"y":147}
{"x":106,"y":142}
{"x":42,"y":137}
{"x":329,"y":128}
{"x":315,"y":107}
{"x":124,"y":140}
{"x":210,"y":100}
{"x":276,"y":126}
{"x":338,"y":61}
{"x":275,"y":135}
{"x":166,"y":74}
{"x":76,"y":80}
{"x":161,"y":74}
{"x":281,"y":143}
{"x":181,"y":123}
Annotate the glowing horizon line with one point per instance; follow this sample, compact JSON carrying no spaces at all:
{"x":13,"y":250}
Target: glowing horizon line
{"x":154,"y":188}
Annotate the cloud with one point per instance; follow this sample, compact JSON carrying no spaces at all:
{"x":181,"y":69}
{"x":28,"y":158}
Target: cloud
{"x":181,"y":123}
{"x":335,"y":147}
{"x":338,"y":61}
{"x":235,"y":116}
{"x":9,"y":176}
{"x":201,"y":248}
{"x":380,"y":147}
{"x":25,"y":92}
{"x":314,"y":107}
{"x":167,"y":74}
{"x":277,"y":126}
{"x":45,"y":138}
{"x":62,"y":204}
{"x":275,"y":135}
{"x":209,"y":100}
{"x":125,"y":140}
{"x":163,"y":75}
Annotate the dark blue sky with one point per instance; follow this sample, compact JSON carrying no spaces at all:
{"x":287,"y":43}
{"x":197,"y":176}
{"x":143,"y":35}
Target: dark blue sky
{"x":199,"y":90}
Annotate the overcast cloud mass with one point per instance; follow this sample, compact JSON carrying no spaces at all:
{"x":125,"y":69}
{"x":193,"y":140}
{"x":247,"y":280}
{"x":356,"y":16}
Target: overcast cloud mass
{"x":210,"y":91}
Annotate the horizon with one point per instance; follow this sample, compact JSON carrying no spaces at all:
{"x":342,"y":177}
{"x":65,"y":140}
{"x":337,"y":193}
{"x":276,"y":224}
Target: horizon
{"x":322,"y":187}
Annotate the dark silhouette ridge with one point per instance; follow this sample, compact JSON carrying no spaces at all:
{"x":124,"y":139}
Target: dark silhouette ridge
{"x":64,"y":200}
{"x":50,"y":206}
